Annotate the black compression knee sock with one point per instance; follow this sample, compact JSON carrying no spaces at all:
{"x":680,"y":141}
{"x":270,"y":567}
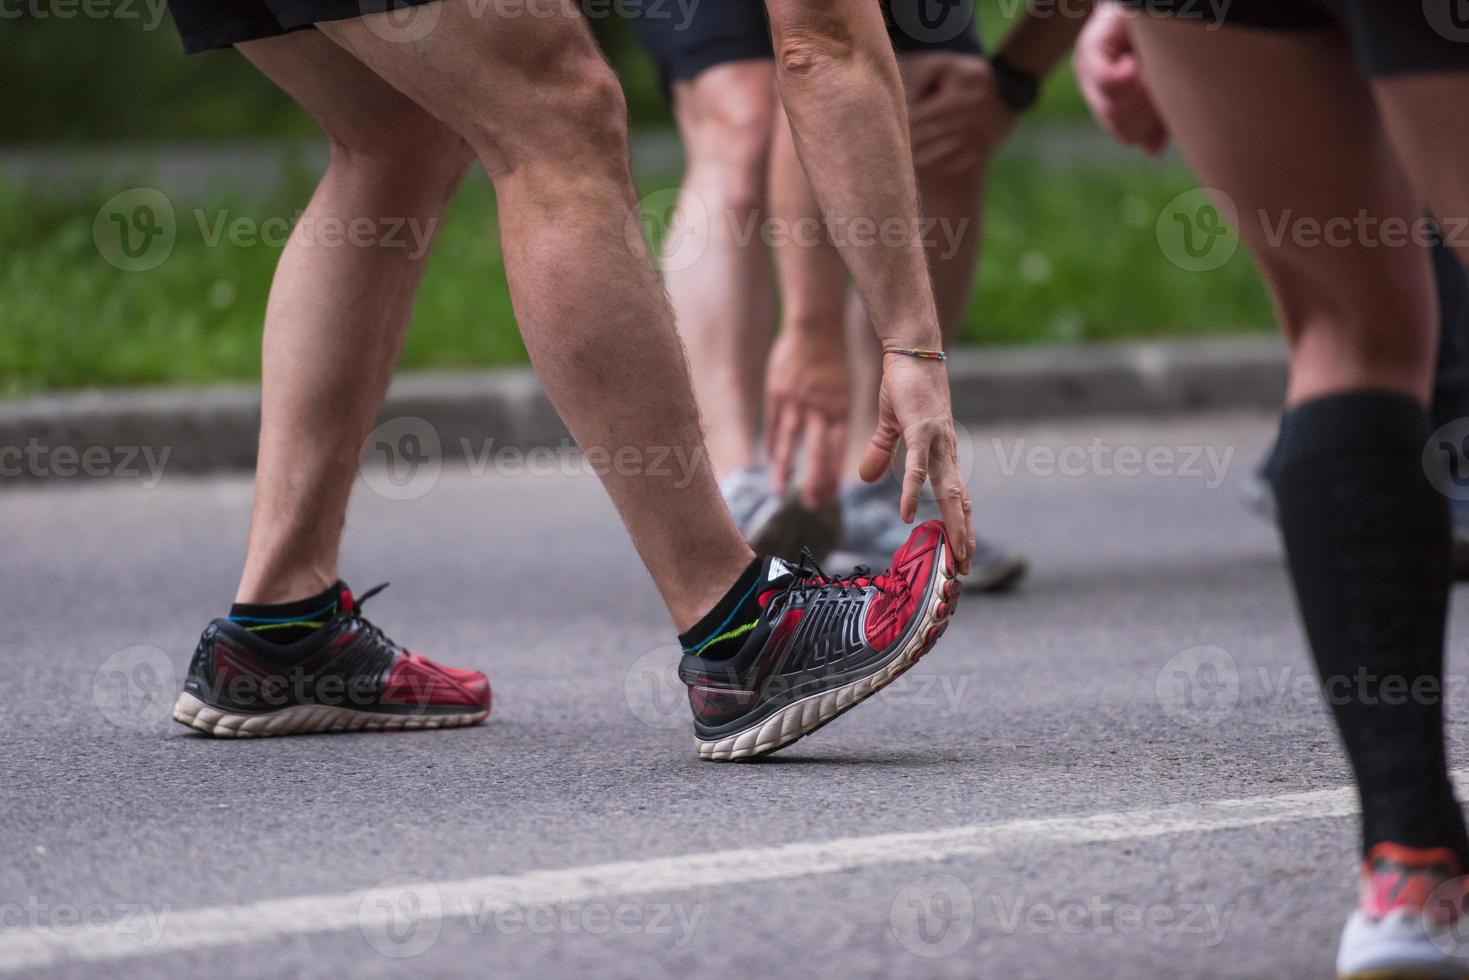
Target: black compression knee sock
{"x":1367,"y":540}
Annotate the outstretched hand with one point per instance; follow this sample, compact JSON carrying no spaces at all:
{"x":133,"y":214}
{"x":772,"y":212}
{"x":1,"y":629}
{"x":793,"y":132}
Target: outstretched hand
{"x":807,"y":398}
{"x":914,"y":407}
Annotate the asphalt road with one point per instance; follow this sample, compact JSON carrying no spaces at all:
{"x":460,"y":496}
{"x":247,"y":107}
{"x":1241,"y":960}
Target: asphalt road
{"x":1036,"y":799}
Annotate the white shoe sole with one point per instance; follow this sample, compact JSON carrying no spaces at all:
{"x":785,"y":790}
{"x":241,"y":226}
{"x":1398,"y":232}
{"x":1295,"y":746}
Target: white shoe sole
{"x":307,"y":719}
{"x":803,"y":717}
{"x":1399,"y":948}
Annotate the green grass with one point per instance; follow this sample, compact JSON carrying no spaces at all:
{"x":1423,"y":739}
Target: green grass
{"x":1070,"y":255}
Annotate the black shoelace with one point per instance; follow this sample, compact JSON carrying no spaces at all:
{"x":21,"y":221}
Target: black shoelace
{"x":371,"y":628}
{"x":809,"y":574}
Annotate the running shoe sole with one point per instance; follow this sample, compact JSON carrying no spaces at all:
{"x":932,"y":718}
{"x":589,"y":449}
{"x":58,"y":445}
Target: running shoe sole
{"x":801,"y":718}
{"x":1399,"y":949}
{"x":309,"y":719}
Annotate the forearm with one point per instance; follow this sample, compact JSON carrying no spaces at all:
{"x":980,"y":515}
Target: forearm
{"x":812,"y":278}
{"x":839,"y":81}
{"x":1040,"y":38}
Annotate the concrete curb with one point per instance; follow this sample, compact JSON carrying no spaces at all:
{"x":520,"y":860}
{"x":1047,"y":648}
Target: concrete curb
{"x":215,"y":429}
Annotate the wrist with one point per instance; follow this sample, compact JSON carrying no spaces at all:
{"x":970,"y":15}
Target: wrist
{"x":1017,"y":86}
{"x":825,"y":333}
{"x":926,"y":336}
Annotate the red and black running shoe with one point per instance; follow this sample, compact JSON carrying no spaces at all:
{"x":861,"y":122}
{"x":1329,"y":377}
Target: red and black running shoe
{"x":346,"y":676}
{"x":821,"y":646}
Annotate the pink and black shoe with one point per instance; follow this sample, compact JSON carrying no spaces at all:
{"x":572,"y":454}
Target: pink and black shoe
{"x":820,"y":646}
{"x":345,"y":676}
{"x":1411,"y":917}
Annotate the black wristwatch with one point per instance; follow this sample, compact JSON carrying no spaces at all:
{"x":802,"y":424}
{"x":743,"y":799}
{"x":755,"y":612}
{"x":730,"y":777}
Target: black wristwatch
{"x":1018,"y":89}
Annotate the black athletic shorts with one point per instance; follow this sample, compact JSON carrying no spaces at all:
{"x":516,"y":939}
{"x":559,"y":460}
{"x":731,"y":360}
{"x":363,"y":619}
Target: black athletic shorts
{"x":206,"y":24}
{"x":1388,"y":37}
{"x":686,"y":37}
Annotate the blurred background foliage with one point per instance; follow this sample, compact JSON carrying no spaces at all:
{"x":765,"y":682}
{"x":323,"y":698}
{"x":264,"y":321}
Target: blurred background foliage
{"x":1070,"y":252}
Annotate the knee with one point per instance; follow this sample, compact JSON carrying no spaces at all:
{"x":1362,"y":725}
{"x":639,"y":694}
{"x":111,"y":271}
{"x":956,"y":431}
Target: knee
{"x":729,"y":139}
{"x":596,"y":111}
{"x":406,"y":149}
{"x":573,"y":119}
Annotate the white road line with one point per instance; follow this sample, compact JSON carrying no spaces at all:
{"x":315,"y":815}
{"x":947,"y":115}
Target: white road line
{"x":387,"y":913}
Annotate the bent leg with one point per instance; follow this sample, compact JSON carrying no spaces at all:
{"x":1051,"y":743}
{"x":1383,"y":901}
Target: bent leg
{"x":338,"y":313}
{"x":724,"y":301}
{"x":546,"y":116}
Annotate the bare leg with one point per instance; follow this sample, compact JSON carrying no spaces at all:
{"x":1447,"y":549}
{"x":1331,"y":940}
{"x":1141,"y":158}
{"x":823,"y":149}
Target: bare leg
{"x":724,"y":301}
{"x":545,"y":114}
{"x":337,"y":315}
{"x":1297,"y":144}
{"x":1428,"y":123}
{"x":1355,"y":316}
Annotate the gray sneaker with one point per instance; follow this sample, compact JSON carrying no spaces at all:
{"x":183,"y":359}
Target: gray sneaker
{"x":778,"y":525}
{"x":871,"y":525}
